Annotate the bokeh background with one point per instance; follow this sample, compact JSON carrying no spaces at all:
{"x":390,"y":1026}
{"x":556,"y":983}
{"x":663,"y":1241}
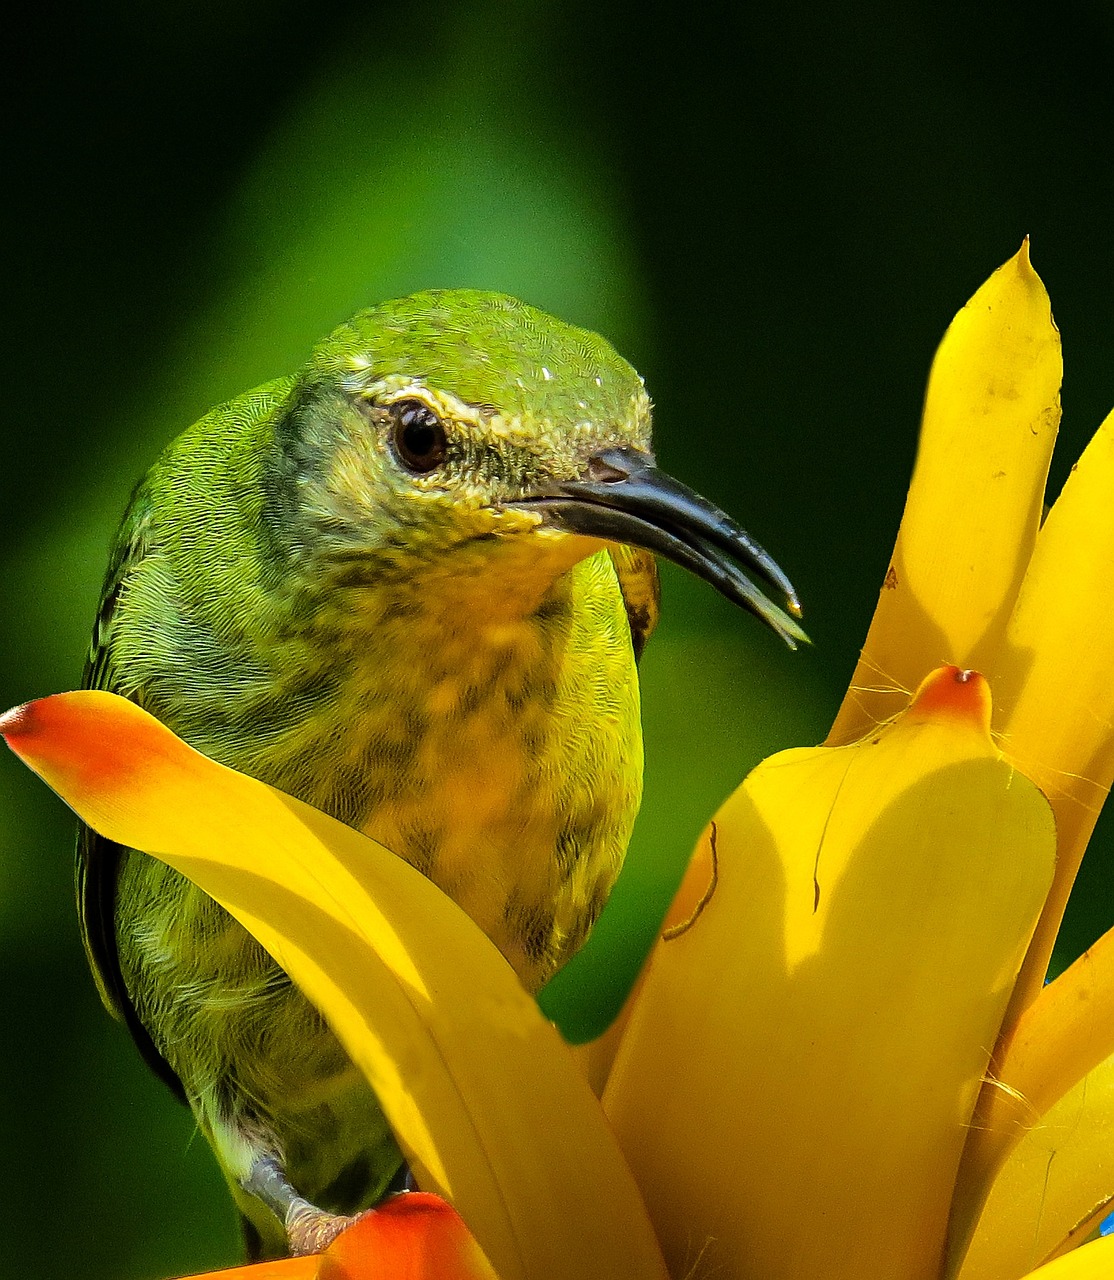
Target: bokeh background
{"x":773,"y":211}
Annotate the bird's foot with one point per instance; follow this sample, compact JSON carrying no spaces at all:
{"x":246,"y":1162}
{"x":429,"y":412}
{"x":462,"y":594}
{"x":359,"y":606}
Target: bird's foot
{"x":308,"y":1228}
{"x":311,"y":1230}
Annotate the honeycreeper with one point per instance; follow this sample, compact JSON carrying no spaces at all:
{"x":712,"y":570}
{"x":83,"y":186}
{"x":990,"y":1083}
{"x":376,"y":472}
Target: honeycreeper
{"x":407,"y":585}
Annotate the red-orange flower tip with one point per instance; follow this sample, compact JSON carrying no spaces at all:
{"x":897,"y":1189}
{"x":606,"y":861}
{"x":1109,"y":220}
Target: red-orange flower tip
{"x":84,"y":738}
{"x":415,"y":1236}
{"x":951,"y":693}
{"x":57,"y":739}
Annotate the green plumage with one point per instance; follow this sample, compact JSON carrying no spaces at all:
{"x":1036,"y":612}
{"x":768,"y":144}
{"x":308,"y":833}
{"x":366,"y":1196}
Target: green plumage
{"x":298,"y":594}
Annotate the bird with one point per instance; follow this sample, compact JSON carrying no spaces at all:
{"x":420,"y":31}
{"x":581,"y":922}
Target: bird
{"x":409,"y":585}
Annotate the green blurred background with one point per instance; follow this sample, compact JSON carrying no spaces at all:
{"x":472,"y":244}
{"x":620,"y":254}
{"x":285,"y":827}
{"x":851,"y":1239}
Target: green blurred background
{"x":774,"y":214}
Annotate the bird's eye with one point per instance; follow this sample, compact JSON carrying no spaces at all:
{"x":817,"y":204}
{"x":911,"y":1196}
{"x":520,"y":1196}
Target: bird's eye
{"x":417,"y":436}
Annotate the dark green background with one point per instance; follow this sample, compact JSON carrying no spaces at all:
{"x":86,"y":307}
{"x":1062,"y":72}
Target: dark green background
{"x":773,"y":214}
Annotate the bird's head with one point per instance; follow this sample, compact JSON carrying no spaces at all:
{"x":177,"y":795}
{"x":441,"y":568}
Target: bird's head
{"x":459,"y":432}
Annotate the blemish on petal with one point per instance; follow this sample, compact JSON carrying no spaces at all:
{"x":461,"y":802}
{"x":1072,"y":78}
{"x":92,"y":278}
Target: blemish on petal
{"x":702,"y":877}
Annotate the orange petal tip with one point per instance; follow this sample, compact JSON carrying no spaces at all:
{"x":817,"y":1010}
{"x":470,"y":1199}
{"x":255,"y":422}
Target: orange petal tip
{"x":53,"y":720}
{"x":952,"y":693}
{"x":414,"y":1236}
{"x":72,"y":736}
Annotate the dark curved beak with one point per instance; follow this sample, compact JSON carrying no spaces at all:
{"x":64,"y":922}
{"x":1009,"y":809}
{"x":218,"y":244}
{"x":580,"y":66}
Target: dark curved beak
{"x":623,"y":497}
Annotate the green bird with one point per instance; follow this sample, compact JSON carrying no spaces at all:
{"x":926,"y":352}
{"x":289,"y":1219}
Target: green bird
{"x":407,"y":585}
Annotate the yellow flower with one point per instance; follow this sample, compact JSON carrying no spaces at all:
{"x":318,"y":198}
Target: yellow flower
{"x":840,"y":1062}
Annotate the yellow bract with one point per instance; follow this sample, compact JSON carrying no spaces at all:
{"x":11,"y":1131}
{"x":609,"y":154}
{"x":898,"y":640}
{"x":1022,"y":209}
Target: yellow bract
{"x":1054,"y":1062}
{"x":478,"y":1087}
{"x":1093,"y":1261}
{"x":972,"y":582}
{"x":1055,"y":675}
{"x":844,"y":984}
{"x":990,"y":419}
{"x":1054,"y":1188}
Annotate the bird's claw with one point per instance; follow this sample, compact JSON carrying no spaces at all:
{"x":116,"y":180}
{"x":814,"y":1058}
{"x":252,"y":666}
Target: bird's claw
{"x":310,"y":1230}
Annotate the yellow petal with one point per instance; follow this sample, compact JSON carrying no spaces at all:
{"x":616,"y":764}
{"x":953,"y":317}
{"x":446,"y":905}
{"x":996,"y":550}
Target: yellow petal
{"x":1056,"y":710}
{"x":1066,"y":1034}
{"x":483,"y":1095}
{"x":1054,"y":1187}
{"x":1094,"y":1261}
{"x":793,"y":1088}
{"x":990,"y":419}
{"x":1054,"y":683}
{"x":596,"y":1057}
